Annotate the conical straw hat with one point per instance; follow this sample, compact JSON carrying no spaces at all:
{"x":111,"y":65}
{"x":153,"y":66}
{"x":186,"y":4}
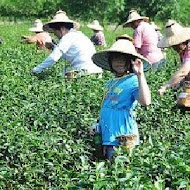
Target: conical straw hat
{"x":60,"y":17}
{"x":95,"y":25}
{"x":174,"y":34}
{"x":37,"y":27}
{"x":120,"y":46}
{"x":125,"y":36}
{"x":133,"y":15}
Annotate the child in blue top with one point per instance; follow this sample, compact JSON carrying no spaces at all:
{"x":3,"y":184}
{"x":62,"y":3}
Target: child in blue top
{"x":122,"y":93}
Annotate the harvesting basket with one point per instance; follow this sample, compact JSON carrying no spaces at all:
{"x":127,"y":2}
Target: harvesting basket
{"x":186,"y":87}
{"x":184,"y":97}
{"x":71,"y":74}
{"x":128,"y":141}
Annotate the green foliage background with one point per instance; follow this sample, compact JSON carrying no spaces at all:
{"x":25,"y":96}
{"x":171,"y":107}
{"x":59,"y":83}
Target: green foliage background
{"x":104,"y":10}
{"x":45,"y":121}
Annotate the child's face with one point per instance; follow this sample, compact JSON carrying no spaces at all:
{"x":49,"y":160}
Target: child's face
{"x":119,"y":64}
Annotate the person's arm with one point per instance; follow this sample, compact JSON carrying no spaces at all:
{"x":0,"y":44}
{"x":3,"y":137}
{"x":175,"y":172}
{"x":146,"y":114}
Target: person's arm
{"x":49,"y":61}
{"x":137,"y":39}
{"x":50,"y":45}
{"x":176,"y":78}
{"x":31,"y":39}
{"x":144,"y":95}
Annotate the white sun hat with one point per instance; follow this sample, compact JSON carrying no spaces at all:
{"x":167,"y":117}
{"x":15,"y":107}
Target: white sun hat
{"x":174,"y":34}
{"x":60,"y":17}
{"x":155,"y":26}
{"x":123,"y":46}
{"x":95,"y":25}
{"x":133,"y":16}
{"x":37,"y":27}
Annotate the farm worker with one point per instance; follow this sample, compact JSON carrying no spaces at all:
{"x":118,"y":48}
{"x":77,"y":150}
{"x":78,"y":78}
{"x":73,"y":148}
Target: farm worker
{"x":74,"y":46}
{"x":145,"y":39}
{"x":178,"y":38}
{"x":122,"y":93}
{"x":40,"y":38}
{"x":98,"y":38}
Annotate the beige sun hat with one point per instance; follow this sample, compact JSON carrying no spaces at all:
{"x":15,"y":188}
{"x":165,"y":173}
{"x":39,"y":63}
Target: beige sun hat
{"x":60,"y":17}
{"x":134,"y":15}
{"x":120,"y":46}
{"x":76,"y":25}
{"x":155,"y":26}
{"x":174,"y":34}
{"x":95,"y":25}
{"x":37,"y":27}
{"x":126,"y":37}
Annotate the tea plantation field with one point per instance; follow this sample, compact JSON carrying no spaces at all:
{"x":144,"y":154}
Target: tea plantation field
{"x":45,"y":120}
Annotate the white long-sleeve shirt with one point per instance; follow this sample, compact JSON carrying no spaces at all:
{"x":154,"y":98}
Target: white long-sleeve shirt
{"x":77,"y":49}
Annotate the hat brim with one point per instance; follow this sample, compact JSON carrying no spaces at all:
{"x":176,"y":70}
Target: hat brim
{"x":101,"y":59}
{"x":48,"y":28}
{"x":125,"y":36}
{"x":127,"y":24}
{"x":93,"y":27}
{"x":35,"y":30}
{"x":167,"y":42}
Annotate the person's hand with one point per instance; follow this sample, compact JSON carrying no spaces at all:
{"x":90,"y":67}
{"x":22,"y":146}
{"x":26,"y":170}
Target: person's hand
{"x":138,"y":66}
{"x":39,"y":44}
{"x":162,"y":90}
{"x":49,"y":45}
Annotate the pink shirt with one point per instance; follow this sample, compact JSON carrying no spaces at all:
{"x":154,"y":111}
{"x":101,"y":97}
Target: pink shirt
{"x":146,"y":39}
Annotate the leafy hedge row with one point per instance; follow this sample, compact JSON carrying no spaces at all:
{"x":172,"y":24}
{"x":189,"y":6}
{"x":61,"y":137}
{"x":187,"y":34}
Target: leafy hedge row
{"x":44,"y":135}
{"x":105,"y":11}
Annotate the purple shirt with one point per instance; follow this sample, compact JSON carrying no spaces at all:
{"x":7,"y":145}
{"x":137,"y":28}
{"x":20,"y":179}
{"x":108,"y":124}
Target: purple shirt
{"x":185,"y":57}
{"x":99,"y":39}
{"x":146,"y":40}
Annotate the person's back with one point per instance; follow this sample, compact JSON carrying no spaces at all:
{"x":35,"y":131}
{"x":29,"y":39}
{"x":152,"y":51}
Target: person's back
{"x":78,"y":49}
{"x":146,"y":40}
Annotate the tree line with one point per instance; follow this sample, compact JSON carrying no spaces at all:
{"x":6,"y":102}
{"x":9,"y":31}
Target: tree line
{"x":114,"y":11}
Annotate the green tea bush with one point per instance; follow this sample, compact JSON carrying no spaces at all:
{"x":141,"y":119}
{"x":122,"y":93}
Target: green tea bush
{"x":45,"y":121}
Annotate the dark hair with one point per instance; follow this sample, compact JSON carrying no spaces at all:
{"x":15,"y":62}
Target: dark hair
{"x":128,"y":60}
{"x":58,"y":25}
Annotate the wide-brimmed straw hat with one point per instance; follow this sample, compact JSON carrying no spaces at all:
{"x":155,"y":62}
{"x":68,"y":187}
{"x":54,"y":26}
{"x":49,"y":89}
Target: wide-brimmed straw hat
{"x":133,"y":16}
{"x":125,"y":36}
{"x":121,"y":46}
{"x":155,"y":26}
{"x":60,"y":17}
{"x":174,"y":34}
{"x":95,"y":25}
{"x":37,"y":27}
{"x":76,"y":25}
